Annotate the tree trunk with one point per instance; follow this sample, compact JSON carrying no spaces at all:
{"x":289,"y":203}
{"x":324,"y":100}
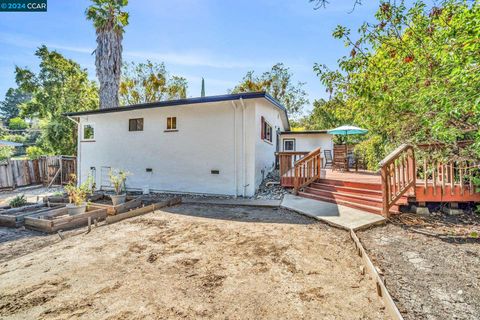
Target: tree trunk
{"x":108,"y":62}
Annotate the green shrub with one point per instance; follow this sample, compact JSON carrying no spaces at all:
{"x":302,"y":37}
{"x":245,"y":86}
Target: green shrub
{"x":34,"y":152}
{"x":6,"y":152}
{"x":17,"y":124}
{"x":371,"y":150}
{"x":14,"y":138}
{"x":18,"y":201}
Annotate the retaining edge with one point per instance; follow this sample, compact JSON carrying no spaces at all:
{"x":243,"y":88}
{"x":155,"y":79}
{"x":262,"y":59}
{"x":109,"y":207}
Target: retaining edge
{"x":382,"y":291}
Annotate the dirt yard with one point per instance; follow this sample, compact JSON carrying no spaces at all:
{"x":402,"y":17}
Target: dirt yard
{"x":192,"y":262}
{"x":430,"y":277}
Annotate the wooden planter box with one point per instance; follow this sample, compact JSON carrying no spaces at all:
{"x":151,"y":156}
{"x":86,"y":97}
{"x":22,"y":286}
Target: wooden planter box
{"x":15,"y":217}
{"x":59,"y":219}
{"x":105,"y":202}
{"x":64,"y":198}
{"x":145,"y":208}
{"x":102,"y":200}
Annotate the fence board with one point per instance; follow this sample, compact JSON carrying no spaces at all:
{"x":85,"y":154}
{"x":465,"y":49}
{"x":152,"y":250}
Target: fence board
{"x":20,"y":173}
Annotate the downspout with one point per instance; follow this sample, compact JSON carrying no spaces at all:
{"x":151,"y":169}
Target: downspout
{"x":235,"y":146}
{"x":79,"y":176}
{"x":244,"y":143}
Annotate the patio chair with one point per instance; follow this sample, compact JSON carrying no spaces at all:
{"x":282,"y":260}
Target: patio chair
{"x":340,"y":158}
{"x":328,"y":158}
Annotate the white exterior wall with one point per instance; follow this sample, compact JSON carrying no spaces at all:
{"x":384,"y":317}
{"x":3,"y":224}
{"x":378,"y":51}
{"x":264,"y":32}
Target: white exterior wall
{"x":306,"y":142}
{"x":210,"y":136}
{"x":264,"y":150}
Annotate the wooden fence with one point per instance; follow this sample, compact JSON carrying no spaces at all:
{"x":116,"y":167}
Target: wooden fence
{"x":46,"y":170}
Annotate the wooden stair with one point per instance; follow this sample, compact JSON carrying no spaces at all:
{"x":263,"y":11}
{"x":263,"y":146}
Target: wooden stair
{"x":358,"y":195}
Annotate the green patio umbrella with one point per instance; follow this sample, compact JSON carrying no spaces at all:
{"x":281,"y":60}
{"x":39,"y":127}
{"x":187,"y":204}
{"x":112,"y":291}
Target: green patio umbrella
{"x":346,"y":131}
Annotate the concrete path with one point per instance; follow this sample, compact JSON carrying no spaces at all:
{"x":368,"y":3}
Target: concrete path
{"x":236,"y":202}
{"x":333,"y":214}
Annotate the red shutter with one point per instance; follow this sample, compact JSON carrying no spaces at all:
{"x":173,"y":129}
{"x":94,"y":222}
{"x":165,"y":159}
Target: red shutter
{"x":263,"y":128}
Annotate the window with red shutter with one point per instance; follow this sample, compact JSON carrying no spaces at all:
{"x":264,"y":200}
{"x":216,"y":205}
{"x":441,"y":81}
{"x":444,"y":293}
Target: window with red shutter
{"x":262,"y":134}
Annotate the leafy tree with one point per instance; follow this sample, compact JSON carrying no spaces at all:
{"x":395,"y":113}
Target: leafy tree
{"x":323,"y":3}
{"x":150,"y":82}
{"x":412,"y":76}
{"x":110,"y":22}
{"x":9,"y":108}
{"x":17,"y":124}
{"x":322,"y":117}
{"x":279,"y":84}
{"x":60,"y":86}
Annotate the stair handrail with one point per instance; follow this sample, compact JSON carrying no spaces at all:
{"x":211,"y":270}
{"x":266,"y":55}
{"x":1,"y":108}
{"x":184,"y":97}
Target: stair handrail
{"x":399,"y":173}
{"x":307,"y":169}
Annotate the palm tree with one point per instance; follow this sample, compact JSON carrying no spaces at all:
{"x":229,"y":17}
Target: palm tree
{"x":109,"y":21}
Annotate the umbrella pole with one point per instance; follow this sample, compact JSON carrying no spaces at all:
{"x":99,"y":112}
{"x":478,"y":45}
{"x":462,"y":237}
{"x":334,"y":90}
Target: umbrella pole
{"x":346,"y":151}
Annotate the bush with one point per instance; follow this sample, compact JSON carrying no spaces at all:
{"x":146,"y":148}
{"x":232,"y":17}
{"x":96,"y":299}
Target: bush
{"x":18,"y":201}
{"x":14,"y":138}
{"x":34,"y":152}
{"x":371,"y":150}
{"x":6,"y":152}
{"x":17,"y":124}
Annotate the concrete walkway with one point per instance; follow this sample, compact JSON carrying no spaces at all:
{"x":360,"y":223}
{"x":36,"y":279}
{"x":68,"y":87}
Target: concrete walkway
{"x":236,"y":202}
{"x":333,"y":214}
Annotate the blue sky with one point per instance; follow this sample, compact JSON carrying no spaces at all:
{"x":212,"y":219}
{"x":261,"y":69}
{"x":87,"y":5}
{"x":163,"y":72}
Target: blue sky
{"x":219,"y":40}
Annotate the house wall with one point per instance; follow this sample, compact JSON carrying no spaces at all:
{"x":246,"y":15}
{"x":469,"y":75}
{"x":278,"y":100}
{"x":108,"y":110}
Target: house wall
{"x":264,"y":150}
{"x":211,"y":136}
{"x":180,"y":161}
{"x":310,"y":141}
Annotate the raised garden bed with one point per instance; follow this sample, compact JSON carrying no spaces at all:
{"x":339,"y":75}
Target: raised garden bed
{"x":145,"y":207}
{"x":15,"y":217}
{"x":59,"y":219}
{"x":64,"y":198}
{"x":106,"y":202}
{"x":103,"y":200}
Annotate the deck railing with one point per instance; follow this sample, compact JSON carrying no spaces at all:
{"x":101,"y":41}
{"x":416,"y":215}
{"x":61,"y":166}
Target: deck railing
{"x":307,"y":169}
{"x":286,"y":162}
{"x":398,"y":173}
{"x":449,"y":177}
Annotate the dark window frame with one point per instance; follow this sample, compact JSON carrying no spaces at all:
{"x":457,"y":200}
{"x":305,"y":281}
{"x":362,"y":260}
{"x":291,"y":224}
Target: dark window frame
{"x":135,"y":124}
{"x":289,"y":140}
{"x":171,"y":123}
{"x":91,"y":125}
{"x":267,"y":131}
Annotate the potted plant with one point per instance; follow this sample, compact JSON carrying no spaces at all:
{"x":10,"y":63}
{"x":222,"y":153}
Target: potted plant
{"x":118,"y":178}
{"x":77,"y":195}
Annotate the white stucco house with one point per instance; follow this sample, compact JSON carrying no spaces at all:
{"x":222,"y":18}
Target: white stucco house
{"x":306,"y":141}
{"x":211,"y":145}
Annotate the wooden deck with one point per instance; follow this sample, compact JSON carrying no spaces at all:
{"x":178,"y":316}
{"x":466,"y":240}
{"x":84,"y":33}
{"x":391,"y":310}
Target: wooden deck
{"x":359,"y":177}
{"x":431,"y":193}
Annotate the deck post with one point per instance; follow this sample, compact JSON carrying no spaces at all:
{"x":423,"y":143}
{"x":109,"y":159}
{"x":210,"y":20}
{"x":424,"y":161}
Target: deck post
{"x":414,"y":173}
{"x":385,"y":192}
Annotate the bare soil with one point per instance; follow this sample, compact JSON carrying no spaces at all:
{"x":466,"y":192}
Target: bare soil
{"x":193,"y":262}
{"x":431,"y":265}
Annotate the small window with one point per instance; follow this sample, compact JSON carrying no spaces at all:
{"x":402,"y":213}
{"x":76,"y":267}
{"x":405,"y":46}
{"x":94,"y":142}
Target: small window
{"x":289,"y":145}
{"x":88,"y":132}
{"x":172,"y":123}
{"x":135,"y":124}
{"x":266,"y":131}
